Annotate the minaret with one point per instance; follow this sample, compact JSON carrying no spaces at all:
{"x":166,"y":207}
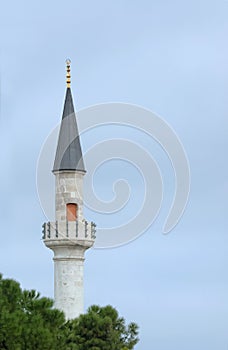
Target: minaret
{"x":70,"y":235}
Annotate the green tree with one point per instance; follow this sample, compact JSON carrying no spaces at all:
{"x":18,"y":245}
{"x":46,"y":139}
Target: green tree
{"x":28,"y":322}
{"x":101,"y":328}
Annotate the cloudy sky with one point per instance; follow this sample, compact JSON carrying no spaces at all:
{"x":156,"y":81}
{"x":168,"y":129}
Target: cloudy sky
{"x":169,"y":57}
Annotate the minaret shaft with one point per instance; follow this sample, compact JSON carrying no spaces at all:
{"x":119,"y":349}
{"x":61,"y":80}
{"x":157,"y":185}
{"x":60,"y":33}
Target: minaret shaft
{"x":68,"y":279}
{"x":69,"y":292}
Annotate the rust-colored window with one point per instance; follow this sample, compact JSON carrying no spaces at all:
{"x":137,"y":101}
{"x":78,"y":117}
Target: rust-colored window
{"x":72,"y":211}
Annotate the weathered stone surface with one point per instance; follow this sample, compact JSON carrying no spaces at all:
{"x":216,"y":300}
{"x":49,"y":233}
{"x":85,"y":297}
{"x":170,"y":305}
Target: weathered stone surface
{"x":69,"y":240}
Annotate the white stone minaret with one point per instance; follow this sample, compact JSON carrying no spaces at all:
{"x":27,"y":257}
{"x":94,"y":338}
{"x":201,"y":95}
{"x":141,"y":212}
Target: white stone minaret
{"x":70,"y":235}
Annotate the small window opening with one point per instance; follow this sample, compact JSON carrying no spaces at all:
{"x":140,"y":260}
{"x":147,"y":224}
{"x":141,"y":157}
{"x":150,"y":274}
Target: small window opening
{"x":72,"y":211}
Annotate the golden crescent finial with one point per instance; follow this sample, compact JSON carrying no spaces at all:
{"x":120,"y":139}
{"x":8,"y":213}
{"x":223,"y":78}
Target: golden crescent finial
{"x":68,"y":76}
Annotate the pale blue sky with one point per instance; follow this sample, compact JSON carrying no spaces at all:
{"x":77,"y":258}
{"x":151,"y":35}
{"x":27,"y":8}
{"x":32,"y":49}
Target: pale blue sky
{"x":170,"y":57}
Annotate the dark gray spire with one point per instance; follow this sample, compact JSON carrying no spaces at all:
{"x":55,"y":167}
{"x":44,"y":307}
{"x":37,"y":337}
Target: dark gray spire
{"x":68,"y":154}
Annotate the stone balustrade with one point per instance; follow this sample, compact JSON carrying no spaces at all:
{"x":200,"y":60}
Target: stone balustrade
{"x":69,"y":230}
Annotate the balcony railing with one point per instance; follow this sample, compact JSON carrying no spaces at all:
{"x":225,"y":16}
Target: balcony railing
{"x":69,"y":229}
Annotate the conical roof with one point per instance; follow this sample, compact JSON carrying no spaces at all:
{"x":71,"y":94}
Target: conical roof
{"x":68,"y":154}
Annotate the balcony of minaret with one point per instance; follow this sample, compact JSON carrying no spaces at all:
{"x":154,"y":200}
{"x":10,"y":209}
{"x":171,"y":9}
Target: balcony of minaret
{"x":75,"y":232}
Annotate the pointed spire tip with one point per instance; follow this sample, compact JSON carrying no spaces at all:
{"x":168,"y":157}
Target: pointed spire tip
{"x":68,"y":75}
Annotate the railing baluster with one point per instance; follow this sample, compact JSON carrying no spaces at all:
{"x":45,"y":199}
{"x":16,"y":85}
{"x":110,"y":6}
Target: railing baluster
{"x":67,"y":229}
{"x":49,"y":229}
{"x":56,"y":229}
{"x":93,"y":230}
{"x":76,"y":225}
{"x":44,"y":230}
{"x":86,"y":229}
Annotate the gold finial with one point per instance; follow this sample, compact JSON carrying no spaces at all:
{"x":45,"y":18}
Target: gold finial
{"x":68,"y":81}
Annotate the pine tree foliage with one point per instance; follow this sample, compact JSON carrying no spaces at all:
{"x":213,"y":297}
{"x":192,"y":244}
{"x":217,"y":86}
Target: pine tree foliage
{"x":101,"y":328}
{"x":29,"y":322}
